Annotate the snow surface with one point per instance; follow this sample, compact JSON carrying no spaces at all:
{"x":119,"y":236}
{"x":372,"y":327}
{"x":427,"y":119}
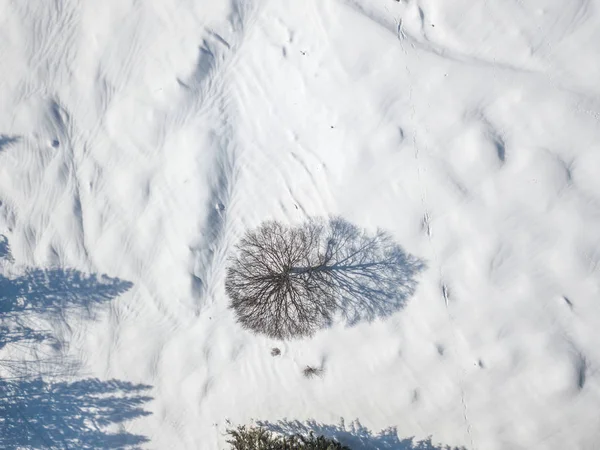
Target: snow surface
{"x":139,"y":140}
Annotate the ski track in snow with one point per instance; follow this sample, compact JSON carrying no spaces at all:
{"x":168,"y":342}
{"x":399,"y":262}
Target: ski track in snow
{"x":141,"y":139}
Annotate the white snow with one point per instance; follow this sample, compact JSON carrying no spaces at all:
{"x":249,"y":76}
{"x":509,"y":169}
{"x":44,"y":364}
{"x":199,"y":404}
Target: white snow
{"x":141,"y":139}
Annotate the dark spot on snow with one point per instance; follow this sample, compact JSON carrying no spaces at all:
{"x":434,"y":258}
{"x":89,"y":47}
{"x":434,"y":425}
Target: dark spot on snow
{"x":182,"y":84}
{"x":220,"y":39}
{"x":480,"y":364}
{"x":401,"y":132}
{"x":569,"y":174}
{"x":415,"y":396}
{"x":446,"y":293}
{"x":500,"y":147}
{"x":55,"y":143}
{"x":312,"y":371}
{"x":568,"y":302}
{"x":440,"y":349}
{"x":197,"y":285}
{"x":59,"y":115}
{"x":275,"y":351}
{"x":581,"y":371}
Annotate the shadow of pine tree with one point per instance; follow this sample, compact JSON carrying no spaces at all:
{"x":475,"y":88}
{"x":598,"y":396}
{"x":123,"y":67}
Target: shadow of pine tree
{"x":54,"y":291}
{"x":355,"y":436}
{"x":36,"y":413}
{"x":76,"y":415}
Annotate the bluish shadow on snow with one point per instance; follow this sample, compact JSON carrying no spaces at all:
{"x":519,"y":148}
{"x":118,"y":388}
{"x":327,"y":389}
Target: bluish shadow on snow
{"x":17,"y":333}
{"x":4,"y":247}
{"x":6,"y":141}
{"x":355,"y":436}
{"x":55,"y":291}
{"x":26,"y":302}
{"x":36,"y":414}
{"x":373,"y":276}
{"x":29,"y":301}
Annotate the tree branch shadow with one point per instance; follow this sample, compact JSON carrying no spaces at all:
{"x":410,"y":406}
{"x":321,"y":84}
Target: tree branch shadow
{"x":290,"y":281}
{"x":29,"y":301}
{"x":355,"y":435}
{"x":16,"y":336}
{"x":373,"y":276}
{"x":19,"y":334}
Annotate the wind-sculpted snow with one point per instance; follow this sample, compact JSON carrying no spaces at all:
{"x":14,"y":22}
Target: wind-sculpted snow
{"x":142,"y":139}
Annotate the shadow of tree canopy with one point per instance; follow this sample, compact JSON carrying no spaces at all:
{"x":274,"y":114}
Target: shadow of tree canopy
{"x":289,"y":281}
{"x":37,"y":414}
{"x":372,"y":274}
{"x":55,"y":291}
{"x":355,"y":436}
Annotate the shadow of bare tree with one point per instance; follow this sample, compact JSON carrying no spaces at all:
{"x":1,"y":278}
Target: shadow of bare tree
{"x":290,"y":281}
{"x":355,"y":436}
{"x":372,"y":275}
{"x":37,"y":414}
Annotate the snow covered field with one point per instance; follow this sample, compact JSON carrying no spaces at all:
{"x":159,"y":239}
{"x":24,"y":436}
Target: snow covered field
{"x":139,"y":140}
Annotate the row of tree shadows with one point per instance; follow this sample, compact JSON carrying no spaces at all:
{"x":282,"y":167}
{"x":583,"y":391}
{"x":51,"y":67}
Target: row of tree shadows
{"x":38,"y":409}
